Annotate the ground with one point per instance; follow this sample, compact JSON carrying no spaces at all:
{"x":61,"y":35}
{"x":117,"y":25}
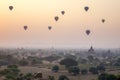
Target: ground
{"x":46,"y":72}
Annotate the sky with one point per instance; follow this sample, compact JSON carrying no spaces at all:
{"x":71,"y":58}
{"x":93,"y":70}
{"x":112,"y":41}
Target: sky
{"x":68,"y":31}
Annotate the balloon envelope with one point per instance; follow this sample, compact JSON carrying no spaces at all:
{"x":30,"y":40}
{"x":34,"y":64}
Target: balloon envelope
{"x":56,"y":18}
{"x":86,"y":8}
{"x":103,"y":20}
{"x":49,"y":27}
{"x":62,"y":12}
{"x":10,"y":7}
{"x":87,"y":32}
{"x":25,"y":27}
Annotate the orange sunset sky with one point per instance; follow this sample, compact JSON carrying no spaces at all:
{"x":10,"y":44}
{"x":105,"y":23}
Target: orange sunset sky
{"x":68,"y":31}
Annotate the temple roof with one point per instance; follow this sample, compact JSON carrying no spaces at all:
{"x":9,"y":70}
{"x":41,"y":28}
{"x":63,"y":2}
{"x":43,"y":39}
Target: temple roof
{"x":91,"y":49}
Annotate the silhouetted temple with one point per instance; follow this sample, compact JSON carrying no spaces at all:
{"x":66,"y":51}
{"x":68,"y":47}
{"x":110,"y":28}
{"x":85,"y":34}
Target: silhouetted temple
{"x":109,"y":54}
{"x":91,"y":50}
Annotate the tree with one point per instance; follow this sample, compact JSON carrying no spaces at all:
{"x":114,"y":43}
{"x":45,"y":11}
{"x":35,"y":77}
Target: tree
{"x":101,"y":68}
{"x":20,"y":76}
{"x":34,"y":60}
{"x":117,"y":62}
{"x":102,"y":76}
{"x":70,"y":56}
{"x":74,"y":70}
{"x":7,"y":60}
{"x":10,"y":77}
{"x":38,"y":75}
{"x":13,"y":69}
{"x":51,"y":58}
{"x":63,"y":77}
{"x":12,"y":66}
{"x":93,"y":70}
{"x":23,"y":62}
{"x":105,"y":76}
{"x":11,"y":72}
{"x":28,"y":76}
{"x":90,"y":58}
{"x":68,"y":62}
{"x":51,"y":77}
{"x":84,"y":71}
{"x":118,"y":77}
{"x":111,"y":77}
{"x":55,"y":68}
{"x":82,"y":61}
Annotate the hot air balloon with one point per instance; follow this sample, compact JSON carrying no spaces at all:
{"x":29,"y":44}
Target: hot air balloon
{"x":62,"y":12}
{"x":25,"y":27}
{"x":10,"y":7}
{"x":49,"y":27}
{"x":86,"y":8}
{"x":87,"y":32}
{"x":103,"y":20}
{"x":56,"y":18}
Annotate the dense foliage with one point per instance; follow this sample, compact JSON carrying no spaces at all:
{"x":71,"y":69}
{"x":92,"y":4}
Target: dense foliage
{"x":68,"y":62}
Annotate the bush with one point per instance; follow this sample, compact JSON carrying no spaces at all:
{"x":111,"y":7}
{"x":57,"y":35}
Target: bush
{"x":12,"y":66}
{"x":51,"y":77}
{"x":74,"y":70}
{"x":102,"y":76}
{"x":63,"y":77}
{"x":93,"y":70}
{"x":101,"y":68}
{"x":55,"y":68}
{"x":111,"y":77}
{"x":84,"y":71}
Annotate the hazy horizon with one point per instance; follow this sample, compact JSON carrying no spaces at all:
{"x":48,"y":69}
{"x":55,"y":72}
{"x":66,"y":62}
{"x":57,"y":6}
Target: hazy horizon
{"x":68,"y":31}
